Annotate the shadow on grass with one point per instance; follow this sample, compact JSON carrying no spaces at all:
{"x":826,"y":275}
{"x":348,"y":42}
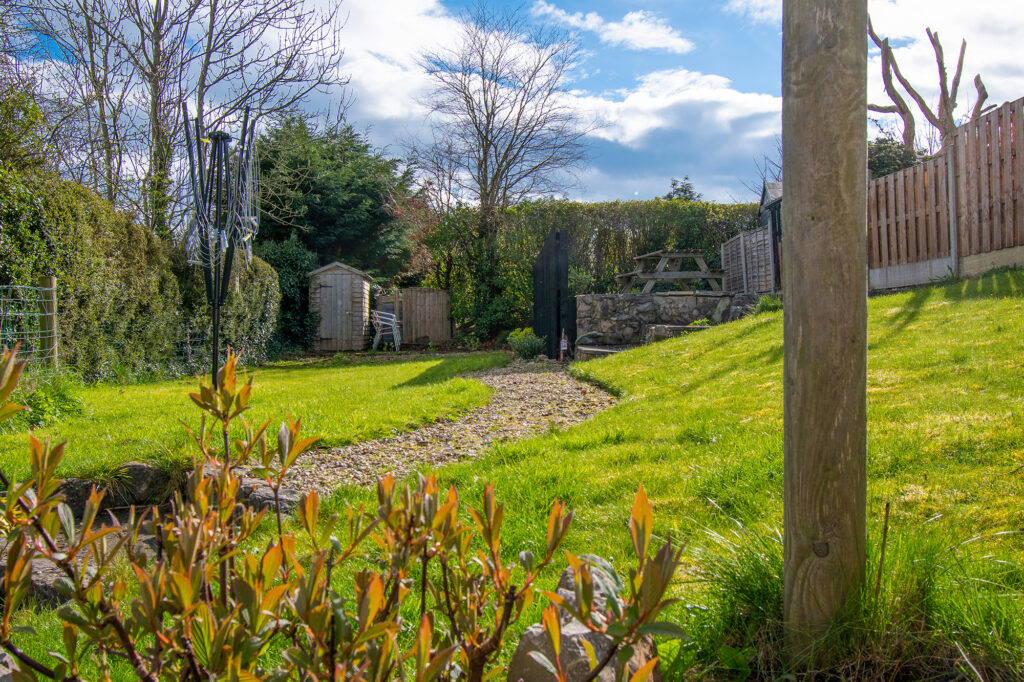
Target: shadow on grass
{"x":1000,"y":283}
{"x":444,"y":369}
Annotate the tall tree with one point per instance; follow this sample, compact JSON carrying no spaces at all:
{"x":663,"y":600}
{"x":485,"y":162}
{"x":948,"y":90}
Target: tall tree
{"x":336,"y":193}
{"x":503,"y":131}
{"x":502,"y":124}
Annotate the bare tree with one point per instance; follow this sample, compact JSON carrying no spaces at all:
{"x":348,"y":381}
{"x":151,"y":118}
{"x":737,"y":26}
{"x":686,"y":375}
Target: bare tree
{"x":503,"y":129}
{"x":224,"y":55}
{"x":88,"y":85}
{"x":942,"y":117}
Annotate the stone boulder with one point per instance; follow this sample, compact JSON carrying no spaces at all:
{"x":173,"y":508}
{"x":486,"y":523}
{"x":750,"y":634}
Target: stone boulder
{"x":43,"y":583}
{"x":6,"y":667}
{"x":575,"y":663}
{"x":140,"y":484}
{"x":263,"y":498}
{"x":524,"y":667}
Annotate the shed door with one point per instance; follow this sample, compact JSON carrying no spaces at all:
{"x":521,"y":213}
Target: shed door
{"x":336,"y":311}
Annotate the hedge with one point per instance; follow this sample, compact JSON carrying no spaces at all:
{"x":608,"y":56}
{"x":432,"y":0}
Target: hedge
{"x":126,"y":300}
{"x":604,"y":237}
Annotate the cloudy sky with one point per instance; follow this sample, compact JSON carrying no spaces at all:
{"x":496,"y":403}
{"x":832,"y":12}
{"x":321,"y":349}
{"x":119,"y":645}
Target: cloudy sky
{"x":679,"y":87}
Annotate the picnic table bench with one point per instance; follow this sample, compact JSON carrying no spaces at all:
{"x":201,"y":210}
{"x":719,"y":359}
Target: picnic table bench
{"x":665,"y":266}
{"x":385,"y":322}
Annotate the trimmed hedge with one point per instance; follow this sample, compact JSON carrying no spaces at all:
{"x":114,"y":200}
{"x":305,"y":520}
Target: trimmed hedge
{"x":126,"y":300}
{"x":604,"y":238}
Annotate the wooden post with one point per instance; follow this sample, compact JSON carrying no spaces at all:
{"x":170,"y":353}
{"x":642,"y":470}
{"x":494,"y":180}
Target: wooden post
{"x":48,"y":321}
{"x":743,"y":261}
{"x":824,"y":136}
{"x":951,"y":199}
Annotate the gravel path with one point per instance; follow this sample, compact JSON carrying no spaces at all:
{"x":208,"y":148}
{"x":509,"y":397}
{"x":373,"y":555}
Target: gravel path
{"x":526,"y":399}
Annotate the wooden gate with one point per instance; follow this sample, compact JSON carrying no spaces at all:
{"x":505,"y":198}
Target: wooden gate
{"x":554,"y":306}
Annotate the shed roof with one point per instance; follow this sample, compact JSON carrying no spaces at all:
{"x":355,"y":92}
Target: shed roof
{"x":340,"y":267}
{"x":771,"y":193}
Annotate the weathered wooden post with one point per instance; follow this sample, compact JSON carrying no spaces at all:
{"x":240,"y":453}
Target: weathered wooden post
{"x":48,"y":321}
{"x":824,"y":91}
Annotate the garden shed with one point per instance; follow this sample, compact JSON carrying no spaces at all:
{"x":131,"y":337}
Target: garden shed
{"x":341,"y":296}
{"x":425,"y":314}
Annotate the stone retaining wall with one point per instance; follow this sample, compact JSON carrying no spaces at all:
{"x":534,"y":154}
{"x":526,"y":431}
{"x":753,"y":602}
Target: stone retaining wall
{"x":623,"y":319}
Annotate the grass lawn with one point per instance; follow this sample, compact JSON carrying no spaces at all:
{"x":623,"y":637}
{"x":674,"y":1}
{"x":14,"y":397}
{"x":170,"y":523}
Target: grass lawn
{"x":700,"y":426}
{"x":341,"y":402}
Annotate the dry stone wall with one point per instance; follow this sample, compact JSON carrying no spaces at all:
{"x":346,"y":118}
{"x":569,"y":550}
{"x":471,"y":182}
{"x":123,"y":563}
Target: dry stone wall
{"x":624,"y":319}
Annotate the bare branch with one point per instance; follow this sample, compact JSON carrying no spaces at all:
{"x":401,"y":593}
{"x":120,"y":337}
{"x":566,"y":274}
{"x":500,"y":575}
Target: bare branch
{"x":503,"y":128}
{"x":979,"y":106}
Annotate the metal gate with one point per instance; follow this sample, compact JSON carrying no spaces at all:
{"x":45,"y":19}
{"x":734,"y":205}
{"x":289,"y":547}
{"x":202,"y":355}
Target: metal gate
{"x":554,"y":306}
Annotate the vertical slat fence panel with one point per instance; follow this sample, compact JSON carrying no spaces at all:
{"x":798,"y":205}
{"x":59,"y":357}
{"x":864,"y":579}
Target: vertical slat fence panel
{"x":873,"y":252}
{"x":942,"y":205}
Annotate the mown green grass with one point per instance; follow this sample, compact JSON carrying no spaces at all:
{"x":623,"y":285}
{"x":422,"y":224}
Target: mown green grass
{"x":700,"y":426}
{"x":340,"y":402}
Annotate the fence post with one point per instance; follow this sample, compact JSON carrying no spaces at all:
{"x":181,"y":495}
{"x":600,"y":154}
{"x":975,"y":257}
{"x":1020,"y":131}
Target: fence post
{"x":724,"y":268}
{"x":951,"y":192}
{"x":48,"y":320}
{"x":743,"y":261}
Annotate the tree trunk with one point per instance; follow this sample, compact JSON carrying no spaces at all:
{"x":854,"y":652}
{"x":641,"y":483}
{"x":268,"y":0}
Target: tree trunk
{"x":825,"y":282}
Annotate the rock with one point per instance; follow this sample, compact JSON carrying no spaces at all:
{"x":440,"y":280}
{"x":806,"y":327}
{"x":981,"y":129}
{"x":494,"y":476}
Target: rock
{"x":43,"y":583}
{"x":140,"y":483}
{"x":542,"y":358}
{"x":589,"y":339}
{"x":567,"y":590}
{"x":76,"y":492}
{"x":247,"y":485}
{"x":523,"y":667}
{"x":6,"y":667}
{"x":263,"y":498}
{"x":721,"y":309}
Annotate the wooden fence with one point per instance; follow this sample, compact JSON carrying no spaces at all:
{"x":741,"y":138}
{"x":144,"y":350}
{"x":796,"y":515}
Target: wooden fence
{"x":749,"y":263}
{"x":425,"y":314}
{"x":966,"y":201}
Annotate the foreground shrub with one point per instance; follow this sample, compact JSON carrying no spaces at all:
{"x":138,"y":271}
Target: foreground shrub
{"x":208,"y":607}
{"x":525,"y":344}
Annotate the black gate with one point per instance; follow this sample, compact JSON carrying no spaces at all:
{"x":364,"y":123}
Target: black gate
{"x":554,"y":306}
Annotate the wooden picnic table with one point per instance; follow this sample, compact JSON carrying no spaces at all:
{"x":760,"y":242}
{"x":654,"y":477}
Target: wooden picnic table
{"x":665,"y":266}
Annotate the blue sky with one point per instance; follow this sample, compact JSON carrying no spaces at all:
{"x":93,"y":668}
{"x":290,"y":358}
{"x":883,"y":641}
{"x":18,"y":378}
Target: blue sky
{"x":682,"y":87}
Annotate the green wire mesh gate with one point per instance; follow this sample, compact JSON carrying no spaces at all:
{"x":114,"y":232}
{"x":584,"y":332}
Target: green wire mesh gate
{"x":28,"y":316}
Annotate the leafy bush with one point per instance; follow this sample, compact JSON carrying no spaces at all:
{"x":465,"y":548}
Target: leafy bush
{"x":525,"y":344}
{"x":49,"y":398}
{"x":768,"y":304}
{"x":296,"y":327}
{"x":248,"y":318}
{"x":208,"y":607}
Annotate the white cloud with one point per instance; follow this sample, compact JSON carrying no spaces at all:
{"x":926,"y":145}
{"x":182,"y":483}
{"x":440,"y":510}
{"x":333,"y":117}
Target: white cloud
{"x":992,"y":31}
{"x":768,"y":11}
{"x":673,"y":99}
{"x":664,"y":123}
{"x":383,"y":41}
{"x":638,"y":30}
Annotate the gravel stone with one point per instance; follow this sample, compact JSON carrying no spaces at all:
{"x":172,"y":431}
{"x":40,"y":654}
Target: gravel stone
{"x":527,"y":399}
